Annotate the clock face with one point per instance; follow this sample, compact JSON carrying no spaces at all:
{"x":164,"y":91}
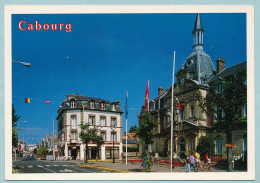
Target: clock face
{"x":182,"y":81}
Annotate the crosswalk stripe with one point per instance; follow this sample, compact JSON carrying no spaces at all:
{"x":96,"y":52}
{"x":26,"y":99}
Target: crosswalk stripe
{"x":39,"y":166}
{"x":55,"y":165}
{"x":30,"y":166}
{"x":47,"y":165}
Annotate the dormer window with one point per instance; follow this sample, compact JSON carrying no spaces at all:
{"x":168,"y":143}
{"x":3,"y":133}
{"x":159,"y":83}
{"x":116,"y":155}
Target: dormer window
{"x":113,"y":107}
{"x":103,"y":106}
{"x":92,"y":105}
{"x":72,"y":104}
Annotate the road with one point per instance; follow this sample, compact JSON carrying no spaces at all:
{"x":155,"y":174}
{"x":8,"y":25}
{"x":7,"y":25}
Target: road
{"x":30,"y":164}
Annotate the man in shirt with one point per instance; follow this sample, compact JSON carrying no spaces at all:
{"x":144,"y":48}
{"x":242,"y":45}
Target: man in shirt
{"x":192,"y":161}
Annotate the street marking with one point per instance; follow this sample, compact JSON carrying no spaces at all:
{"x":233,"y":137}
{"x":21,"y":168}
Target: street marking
{"x":67,"y":171}
{"x":49,"y":170}
{"x":47,"y":165}
{"x":55,"y":165}
{"x":30,"y":166}
{"x":39,"y":166}
{"x":20,"y":167}
{"x":64,"y":165}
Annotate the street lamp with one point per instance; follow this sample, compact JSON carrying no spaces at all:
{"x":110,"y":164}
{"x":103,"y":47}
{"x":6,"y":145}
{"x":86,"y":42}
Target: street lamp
{"x":23,"y":63}
{"x":113,"y":127}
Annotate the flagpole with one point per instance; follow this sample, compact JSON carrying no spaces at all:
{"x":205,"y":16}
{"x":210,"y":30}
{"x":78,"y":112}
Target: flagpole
{"x":172,"y":109}
{"x":53,"y":139}
{"x":148,"y":97}
{"x":126,"y":127}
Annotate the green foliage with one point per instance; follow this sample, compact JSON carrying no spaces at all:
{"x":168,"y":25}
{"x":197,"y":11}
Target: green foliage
{"x":35,"y":150}
{"x":88,"y":134}
{"x":133,"y":129}
{"x":15,"y":117}
{"x":42,"y":150}
{"x":14,"y":137}
{"x":231,"y":100}
{"x":146,"y":129}
{"x":206,"y":145}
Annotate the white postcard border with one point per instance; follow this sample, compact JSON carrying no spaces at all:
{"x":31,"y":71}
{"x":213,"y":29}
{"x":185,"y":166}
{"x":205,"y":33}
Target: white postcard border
{"x":95,"y":9}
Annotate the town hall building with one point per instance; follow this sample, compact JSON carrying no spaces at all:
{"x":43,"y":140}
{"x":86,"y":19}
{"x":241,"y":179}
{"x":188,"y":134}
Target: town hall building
{"x":190,"y":122}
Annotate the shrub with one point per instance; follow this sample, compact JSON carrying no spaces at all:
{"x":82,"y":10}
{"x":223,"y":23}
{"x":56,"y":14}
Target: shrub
{"x":206,"y":145}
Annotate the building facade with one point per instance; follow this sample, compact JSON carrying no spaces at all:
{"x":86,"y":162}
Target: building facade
{"x":190,"y":122}
{"x":77,"y":109}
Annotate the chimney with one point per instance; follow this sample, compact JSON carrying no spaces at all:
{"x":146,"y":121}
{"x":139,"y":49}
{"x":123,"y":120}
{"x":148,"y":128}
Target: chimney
{"x":160,"y":90}
{"x":220,"y":64}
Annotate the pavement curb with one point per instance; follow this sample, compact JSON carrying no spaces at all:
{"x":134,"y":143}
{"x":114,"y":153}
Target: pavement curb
{"x":103,"y":168}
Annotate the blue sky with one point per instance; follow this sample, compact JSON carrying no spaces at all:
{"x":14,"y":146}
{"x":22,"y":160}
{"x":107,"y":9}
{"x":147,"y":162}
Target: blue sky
{"x":106,"y":55}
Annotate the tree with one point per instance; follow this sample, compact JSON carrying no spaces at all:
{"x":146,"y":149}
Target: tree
{"x":206,"y":145}
{"x":14,"y":137}
{"x":226,"y":106}
{"x":133,"y":129}
{"x":99,"y":141}
{"x":87,"y":135}
{"x":42,"y":151}
{"x":146,"y":132}
{"x":15,"y":118}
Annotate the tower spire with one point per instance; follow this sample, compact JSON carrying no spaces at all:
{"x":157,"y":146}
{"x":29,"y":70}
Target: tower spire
{"x":198,"y":34}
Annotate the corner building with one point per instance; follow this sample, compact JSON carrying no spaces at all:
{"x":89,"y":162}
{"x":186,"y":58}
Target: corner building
{"x":96,"y":112}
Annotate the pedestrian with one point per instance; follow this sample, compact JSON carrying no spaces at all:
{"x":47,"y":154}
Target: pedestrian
{"x":198,"y":162}
{"x":206,"y":157}
{"x":186,"y":163}
{"x":192,"y":161}
{"x":209,"y":163}
{"x":144,"y":161}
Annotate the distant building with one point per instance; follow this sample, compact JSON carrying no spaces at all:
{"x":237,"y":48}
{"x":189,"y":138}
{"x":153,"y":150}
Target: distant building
{"x":132,"y":144}
{"x":96,"y":112}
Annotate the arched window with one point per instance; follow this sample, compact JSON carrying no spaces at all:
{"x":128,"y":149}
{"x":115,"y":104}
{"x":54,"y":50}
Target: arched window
{"x":192,"y":111}
{"x":182,"y":113}
{"x":219,"y":145}
{"x":182,"y":146}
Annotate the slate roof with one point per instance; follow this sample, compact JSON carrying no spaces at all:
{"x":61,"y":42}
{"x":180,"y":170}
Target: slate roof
{"x":198,"y":24}
{"x":130,"y":141}
{"x":85,"y":98}
{"x":227,"y":71}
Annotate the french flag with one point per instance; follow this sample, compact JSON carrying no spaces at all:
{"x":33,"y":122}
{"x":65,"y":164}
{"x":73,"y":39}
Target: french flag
{"x":47,"y":101}
{"x":178,"y":103}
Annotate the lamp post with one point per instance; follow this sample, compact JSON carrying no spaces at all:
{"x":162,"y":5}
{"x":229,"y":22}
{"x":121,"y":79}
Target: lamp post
{"x":23,"y":63}
{"x":113,"y":127}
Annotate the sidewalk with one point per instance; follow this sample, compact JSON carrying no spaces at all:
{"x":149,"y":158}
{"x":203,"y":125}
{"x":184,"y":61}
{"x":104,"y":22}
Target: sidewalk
{"x":121,"y":167}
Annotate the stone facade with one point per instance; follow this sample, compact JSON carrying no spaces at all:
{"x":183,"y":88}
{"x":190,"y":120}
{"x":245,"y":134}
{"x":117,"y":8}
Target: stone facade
{"x":190,"y":122}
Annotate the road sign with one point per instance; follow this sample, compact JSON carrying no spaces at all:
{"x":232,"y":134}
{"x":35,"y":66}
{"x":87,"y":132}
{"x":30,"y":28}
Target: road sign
{"x":19,"y":148}
{"x":231,"y":145}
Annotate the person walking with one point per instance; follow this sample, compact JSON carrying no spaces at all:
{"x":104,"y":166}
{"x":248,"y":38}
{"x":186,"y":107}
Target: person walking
{"x":198,"y":162}
{"x":192,"y":161}
{"x":144,"y":161}
{"x":186,"y":163}
{"x":206,"y":158}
